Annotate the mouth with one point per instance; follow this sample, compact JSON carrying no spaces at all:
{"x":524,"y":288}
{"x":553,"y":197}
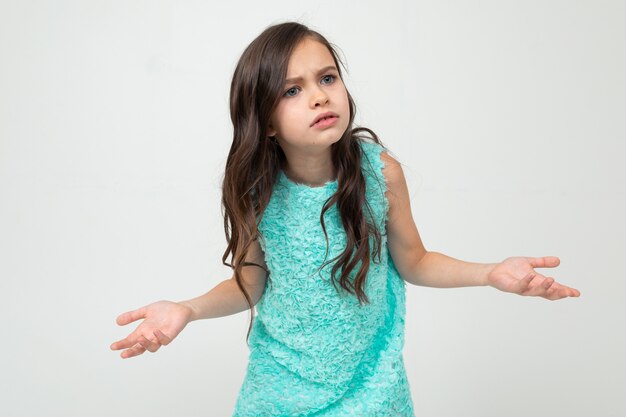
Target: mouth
{"x":324,"y":116}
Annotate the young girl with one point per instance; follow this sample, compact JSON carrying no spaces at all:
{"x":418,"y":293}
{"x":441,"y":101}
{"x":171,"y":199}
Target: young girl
{"x":319,"y":225}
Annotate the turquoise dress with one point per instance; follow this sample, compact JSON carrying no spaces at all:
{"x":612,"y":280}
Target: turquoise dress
{"x":314,"y":351}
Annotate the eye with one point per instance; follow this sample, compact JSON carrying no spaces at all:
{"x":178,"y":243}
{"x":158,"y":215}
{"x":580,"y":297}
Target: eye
{"x":331,"y":76}
{"x":287,"y":92}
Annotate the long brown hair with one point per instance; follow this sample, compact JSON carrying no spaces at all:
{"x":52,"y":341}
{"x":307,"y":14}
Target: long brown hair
{"x":255,"y":160}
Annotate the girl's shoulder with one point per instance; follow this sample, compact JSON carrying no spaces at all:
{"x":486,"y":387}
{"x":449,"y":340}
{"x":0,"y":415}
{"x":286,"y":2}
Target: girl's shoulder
{"x":383,"y":165}
{"x":377,"y":156}
{"x":368,"y":145}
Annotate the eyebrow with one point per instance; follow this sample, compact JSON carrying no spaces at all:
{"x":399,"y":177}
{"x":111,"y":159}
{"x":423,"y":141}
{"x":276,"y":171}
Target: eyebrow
{"x":294,"y":79}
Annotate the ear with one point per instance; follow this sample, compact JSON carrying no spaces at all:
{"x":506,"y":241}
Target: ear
{"x":270,"y":131}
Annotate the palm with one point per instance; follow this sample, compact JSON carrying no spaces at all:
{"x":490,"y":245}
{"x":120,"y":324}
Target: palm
{"x":162,"y":322}
{"x":517,"y":275}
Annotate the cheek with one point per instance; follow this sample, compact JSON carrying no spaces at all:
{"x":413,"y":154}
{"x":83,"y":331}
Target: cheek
{"x":291,"y":122}
{"x":277,"y":118}
{"x":343,"y":98}
{"x":346,"y":104}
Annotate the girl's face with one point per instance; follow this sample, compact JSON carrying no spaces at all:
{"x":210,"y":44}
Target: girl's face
{"x":313,"y":87}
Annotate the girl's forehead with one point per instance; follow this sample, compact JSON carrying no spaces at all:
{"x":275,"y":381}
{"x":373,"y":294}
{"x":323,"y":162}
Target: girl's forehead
{"x":308,"y":55}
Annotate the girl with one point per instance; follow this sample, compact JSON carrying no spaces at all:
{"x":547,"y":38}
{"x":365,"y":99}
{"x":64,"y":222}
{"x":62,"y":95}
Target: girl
{"x":319,"y":225}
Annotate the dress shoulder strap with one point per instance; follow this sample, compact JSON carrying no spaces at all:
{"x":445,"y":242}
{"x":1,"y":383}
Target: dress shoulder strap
{"x":372,"y":166}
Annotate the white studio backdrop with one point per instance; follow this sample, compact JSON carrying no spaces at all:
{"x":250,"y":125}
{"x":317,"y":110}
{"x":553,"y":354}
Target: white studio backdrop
{"x":509,"y":119}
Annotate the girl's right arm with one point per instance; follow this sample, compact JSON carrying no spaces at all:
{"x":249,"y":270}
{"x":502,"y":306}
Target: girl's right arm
{"x":226,"y":298}
{"x":164,"y":320}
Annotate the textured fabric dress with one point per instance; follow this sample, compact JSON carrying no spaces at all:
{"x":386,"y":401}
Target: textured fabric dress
{"x":314,"y":351}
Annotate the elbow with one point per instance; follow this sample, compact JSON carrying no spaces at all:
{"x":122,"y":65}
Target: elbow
{"x":416,"y":270}
{"x":420,"y":255}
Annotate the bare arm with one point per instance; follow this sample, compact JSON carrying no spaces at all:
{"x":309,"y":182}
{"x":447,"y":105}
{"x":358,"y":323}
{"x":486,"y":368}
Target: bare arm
{"x":419,"y":266}
{"x":164,"y":320}
{"x":441,"y":271}
{"x":226,"y":298}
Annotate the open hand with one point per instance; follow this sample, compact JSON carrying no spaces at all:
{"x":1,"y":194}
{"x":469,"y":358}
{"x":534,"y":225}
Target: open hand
{"x":516,"y":275}
{"x":163,"y":321}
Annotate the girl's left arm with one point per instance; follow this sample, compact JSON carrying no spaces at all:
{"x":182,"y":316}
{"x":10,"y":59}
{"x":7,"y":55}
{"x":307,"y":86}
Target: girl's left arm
{"x":418,"y":266}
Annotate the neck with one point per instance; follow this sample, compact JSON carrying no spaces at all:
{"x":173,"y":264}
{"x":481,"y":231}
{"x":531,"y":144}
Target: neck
{"x":313,"y":170}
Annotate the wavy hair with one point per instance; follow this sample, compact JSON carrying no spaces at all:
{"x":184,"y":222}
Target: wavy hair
{"x":255,"y":160}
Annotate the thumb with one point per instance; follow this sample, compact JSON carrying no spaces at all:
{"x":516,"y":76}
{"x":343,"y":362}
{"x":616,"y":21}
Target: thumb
{"x":544,"y":262}
{"x":131,"y":316}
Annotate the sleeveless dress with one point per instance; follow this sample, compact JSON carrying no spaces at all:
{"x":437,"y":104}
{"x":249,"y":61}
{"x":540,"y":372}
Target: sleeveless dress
{"x":314,"y":351}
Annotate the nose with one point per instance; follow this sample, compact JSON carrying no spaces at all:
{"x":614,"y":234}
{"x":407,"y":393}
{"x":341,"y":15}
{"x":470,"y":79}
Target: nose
{"x":319,"y":97}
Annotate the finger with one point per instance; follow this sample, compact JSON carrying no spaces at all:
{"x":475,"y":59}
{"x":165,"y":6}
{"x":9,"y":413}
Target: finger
{"x":557,"y":292}
{"x":162,"y":337}
{"x":564,"y":291}
{"x":524,"y":283}
{"x":551,"y":289}
{"x":542,"y":288}
{"x":570,"y":292}
{"x":124,"y":343}
{"x":133,"y":351}
{"x":130,"y":316}
{"x":549,"y":283}
{"x":148,"y":344}
{"x":544,"y":262}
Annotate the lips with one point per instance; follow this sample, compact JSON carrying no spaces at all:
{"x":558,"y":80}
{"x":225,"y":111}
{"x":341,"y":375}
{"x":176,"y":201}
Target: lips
{"x":323,"y":116}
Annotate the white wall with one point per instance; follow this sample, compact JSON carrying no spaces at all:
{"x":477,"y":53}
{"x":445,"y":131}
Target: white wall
{"x":509,"y":117}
